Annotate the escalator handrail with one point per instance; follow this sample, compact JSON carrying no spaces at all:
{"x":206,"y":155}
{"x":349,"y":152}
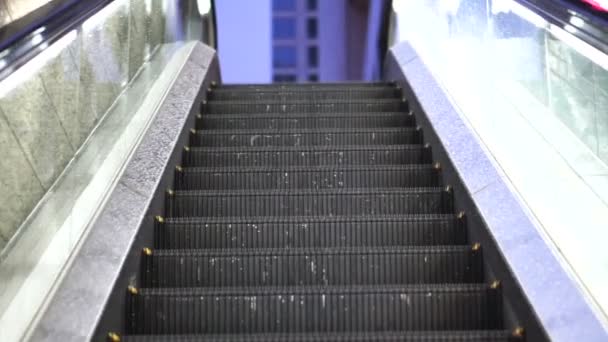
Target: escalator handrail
{"x":594,"y":28}
{"x":19,"y":40}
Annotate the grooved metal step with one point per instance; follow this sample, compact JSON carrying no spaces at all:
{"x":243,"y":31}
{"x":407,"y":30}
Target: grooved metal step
{"x":315,"y":309}
{"x":306,"y":155}
{"x":312,"y":94}
{"x":307,"y":177}
{"x":397,"y":336}
{"x":296,"y":107}
{"x":312,"y":266}
{"x":310,"y":231}
{"x":306,"y":86}
{"x":299,"y":121}
{"x":306,"y":137}
{"x":356,"y":202}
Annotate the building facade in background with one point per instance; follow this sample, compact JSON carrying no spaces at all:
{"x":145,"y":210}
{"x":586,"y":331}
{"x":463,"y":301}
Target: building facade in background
{"x":295,"y":40}
{"x":328,"y":41}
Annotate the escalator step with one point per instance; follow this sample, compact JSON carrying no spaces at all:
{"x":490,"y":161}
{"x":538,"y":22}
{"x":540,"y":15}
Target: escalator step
{"x":299,"y":121}
{"x":314,"y":309}
{"x":297,"y":107}
{"x":305,"y":86}
{"x":312,"y":266}
{"x":418,"y":336}
{"x":293,"y":232}
{"x":307,"y":177}
{"x":306,"y":137}
{"x":305,"y":94}
{"x":326,"y":202}
{"x":306,"y":155}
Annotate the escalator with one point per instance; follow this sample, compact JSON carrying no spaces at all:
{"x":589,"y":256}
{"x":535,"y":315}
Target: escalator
{"x":311,"y":212}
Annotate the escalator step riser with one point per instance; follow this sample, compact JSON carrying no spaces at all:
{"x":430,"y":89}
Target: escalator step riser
{"x":418,"y":336}
{"x":233,"y":107}
{"x":299,"y":232}
{"x":354,"y":266}
{"x":411,"y":154}
{"x":305,"y":86}
{"x":206,"y":204}
{"x":305,"y":95}
{"x":306,"y":138}
{"x":196,"y":311}
{"x":302,"y":122}
{"x":226,"y":179}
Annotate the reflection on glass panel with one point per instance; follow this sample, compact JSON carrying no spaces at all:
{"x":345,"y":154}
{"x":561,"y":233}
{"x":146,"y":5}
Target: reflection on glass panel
{"x":313,"y":78}
{"x":284,"y":56}
{"x":504,"y":66}
{"x":284,"y":28}
{"x":284,"y":5}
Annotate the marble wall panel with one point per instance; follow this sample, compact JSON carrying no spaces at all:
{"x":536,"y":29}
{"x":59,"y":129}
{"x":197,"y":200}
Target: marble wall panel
{"x":20,"y":186}
{"x":34,"y":121}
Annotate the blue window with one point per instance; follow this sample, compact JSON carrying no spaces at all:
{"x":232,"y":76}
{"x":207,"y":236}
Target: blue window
{"x":283,"y":5}
{"x":284,"y":78}
{"x":312,"y":5}
{"x":313,"y":56}
{"x":284,"y":56}
{"x":284,"y":28}
{"x":311,"y":28}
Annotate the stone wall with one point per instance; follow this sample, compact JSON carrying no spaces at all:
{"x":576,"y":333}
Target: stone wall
{"x":50,"y":106}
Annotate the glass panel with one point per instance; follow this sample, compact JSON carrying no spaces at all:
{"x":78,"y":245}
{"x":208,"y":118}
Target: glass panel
{"x":284,"y":28}
{"x":313,"y":56}
{"x":284,"y":56}
{"x":69,"y":120}
{"x":284,"y":5}
{"x":536,"y":96}
{"x":311,"y":28}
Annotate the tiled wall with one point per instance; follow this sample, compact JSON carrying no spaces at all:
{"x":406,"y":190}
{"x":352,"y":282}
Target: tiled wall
{"x":46,"y":115}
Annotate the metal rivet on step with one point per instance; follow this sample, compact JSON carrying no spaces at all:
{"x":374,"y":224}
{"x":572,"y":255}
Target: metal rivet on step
{"x":204,"y":102}
{"x":192,"y":130}
{"x":209,"y":89}
{"x":147,"y":251}
{"x":461,"y":215}
{"x":179,"y":168}
{"x":404,"y":100}
{"x":427,"y":145}
{"x":159,"y":219}
{"x":170,"y":192}
{"x":186,"y":148}
{"x":113,"y":337}
{"x":418,"y":128}
{"x":476,"y":246}
{"x":448,"y":188}
{"x":495,"y":284}
{"x":398,"y":87}
{"x":213,"y":84}
{"x":519,"y":332}
{"x":199,"y":116}
{"x":133,"y":290}
{"x":437,"y":166}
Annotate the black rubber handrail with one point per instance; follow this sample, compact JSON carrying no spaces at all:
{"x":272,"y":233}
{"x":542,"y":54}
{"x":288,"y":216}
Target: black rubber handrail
{"x":594,"y":30}
{"x":51,"y":22}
